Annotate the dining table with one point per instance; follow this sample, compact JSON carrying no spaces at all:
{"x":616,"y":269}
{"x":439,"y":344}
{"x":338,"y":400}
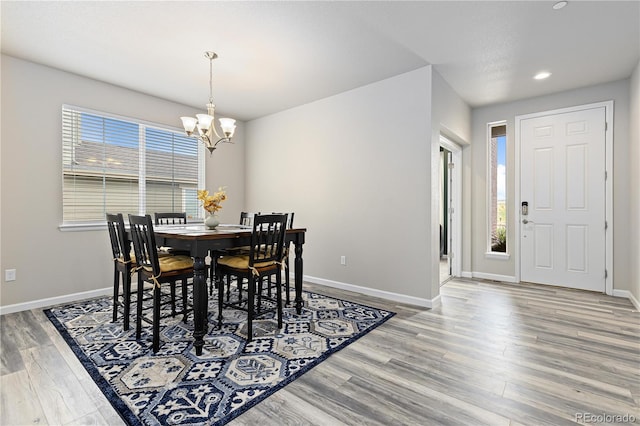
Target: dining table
{"x":200,"y":241}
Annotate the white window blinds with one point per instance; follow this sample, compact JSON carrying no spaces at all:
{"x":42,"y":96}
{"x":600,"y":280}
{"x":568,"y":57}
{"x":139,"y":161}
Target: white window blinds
{"x":119,"y":165}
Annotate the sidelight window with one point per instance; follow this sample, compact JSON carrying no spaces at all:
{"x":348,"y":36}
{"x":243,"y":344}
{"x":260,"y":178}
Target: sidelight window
{"x":497,"y":188}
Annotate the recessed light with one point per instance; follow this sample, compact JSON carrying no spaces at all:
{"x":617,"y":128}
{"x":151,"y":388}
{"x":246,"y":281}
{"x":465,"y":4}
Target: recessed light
{"x":559,"y":5}
{"x":542,"y":75}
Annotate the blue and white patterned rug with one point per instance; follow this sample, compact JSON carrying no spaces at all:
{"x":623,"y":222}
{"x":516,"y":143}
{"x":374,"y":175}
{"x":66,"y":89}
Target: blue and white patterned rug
{"x":174,"y":386}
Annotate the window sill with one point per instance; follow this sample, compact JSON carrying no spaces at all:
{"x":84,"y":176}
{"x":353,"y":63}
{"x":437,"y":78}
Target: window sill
{"x":497,"y":255}
{"x":73,"y":227}
{"x":101,"y":226}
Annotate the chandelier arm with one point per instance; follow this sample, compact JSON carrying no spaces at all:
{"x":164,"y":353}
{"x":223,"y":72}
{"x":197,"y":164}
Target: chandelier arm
{"x":223,"y":140}
{"x":215,"y":132}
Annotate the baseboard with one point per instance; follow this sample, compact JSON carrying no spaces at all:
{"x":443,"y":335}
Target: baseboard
{"x":466,"y":274}
{"x":628,"y":295}
{"x":43,"y":303}
{"x":396,"y":297}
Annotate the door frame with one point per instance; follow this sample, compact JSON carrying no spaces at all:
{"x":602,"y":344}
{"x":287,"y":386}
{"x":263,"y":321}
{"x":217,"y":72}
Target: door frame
{"x":608,"y":216}
{"x":456,"y":218}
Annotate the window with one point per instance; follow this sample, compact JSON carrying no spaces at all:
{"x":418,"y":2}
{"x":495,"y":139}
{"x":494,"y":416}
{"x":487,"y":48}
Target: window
{"x":497,"y":182}
{"x":120,"y":165}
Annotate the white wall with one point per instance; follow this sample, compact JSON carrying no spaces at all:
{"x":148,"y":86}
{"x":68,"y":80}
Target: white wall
{"x":51,"y":263}
{"x":355,"y":169}
{"x":451,"y":117}
{"x":634,"y":199}
{"x":618,"y":92}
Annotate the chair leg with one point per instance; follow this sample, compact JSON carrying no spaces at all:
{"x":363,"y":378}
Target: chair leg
{"x":279,"y":297}
{"x":220,"y":299}
{"x":156,"y":318}
{"x":229,"y":288}
{"x":250,"y":301}
{"x":184,"y":300}
{"x":173,"y":299}
{"x":139,"y":309}
{"x":126,"y":290}
{"x":260,"y":290}
{"x":116,"y":288}
{"x":211,"y":274}
{"x":286,"y":279}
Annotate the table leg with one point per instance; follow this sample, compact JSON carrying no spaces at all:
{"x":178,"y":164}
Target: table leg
{"x":298,"y":276}
{"x":200,"y":303}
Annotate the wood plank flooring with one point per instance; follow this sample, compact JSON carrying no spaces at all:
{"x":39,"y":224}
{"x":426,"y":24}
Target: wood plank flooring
{"x":492,"y":353}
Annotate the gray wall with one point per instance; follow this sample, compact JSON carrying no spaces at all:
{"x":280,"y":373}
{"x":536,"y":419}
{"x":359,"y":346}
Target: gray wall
{"x":618,"y":92}
{"x":451,"y":117}
{"x":51,"y":263}
{"x":359,"y":164}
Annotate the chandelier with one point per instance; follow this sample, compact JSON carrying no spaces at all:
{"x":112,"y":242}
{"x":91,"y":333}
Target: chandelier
{"x":205,"y":123}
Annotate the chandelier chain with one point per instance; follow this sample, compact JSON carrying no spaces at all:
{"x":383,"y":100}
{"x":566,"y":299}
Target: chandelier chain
{"x":211,"y":80}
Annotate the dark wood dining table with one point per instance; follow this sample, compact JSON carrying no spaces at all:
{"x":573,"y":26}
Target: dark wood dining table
{"x":199,"y":241}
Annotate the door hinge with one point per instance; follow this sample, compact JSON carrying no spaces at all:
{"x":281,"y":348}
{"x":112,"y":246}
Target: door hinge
{"x":606,"y":273}
{"x":606,"y":225}
{"x":450,"y":210}
{"x":606,"y":175}
{"x":451,"y":165}
{"x":606,"y":126}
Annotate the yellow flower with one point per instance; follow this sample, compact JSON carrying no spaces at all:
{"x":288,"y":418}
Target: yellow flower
{"x":211,"y":203}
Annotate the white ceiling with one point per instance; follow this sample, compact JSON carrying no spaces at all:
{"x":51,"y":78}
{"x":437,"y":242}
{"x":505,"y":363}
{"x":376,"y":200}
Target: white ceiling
{"x":276,"y":55}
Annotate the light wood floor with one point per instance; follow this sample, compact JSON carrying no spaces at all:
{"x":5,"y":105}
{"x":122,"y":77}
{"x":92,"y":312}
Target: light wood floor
{"x":495,"y":354}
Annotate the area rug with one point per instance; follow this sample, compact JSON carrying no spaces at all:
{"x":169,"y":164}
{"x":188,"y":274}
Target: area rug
{"x":174,"y":386}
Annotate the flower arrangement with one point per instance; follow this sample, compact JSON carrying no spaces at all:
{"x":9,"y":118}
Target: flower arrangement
{"x":212,"y":203}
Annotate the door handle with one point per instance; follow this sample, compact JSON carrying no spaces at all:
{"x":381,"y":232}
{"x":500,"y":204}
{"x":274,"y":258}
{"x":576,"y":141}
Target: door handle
{"x":525,"y":221}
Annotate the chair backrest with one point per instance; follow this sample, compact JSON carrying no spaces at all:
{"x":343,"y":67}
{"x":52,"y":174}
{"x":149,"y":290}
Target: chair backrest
{"x":170,"y":218}
{"x":267,"y":238}
{"x":120,"y":244}
{"x":289,"y":219}
{"x":144,"y":243}
{"x":246,"y":218}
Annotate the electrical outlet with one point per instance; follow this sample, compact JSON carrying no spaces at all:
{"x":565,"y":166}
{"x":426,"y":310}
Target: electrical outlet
{"x":343,"y":260}
{"x":9,"y":274}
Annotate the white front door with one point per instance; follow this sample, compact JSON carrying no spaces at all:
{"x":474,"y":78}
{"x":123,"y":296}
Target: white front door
{"x":562,"y":179}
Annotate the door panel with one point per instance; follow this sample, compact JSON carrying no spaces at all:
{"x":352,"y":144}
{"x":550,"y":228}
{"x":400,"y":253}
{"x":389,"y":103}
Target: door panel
{"x":543,"y":180}
{"x":562,"y":165}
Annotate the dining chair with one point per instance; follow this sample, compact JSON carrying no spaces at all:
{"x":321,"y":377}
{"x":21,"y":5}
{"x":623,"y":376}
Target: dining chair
{"x":170,"y":218}
{"x":263,"y":260}
{"x":285,"y":256}
{"x":123,"y":264}
{"x":246,"y":219}
{"x":157,"y":271}
{"x":285,"y":265}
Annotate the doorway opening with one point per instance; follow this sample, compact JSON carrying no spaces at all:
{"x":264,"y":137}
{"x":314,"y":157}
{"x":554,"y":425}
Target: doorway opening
{"x":450,"y":209}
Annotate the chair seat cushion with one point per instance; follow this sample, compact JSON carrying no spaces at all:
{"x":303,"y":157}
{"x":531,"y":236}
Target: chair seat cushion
{"x":242,"y":262}
{"x":132,"y":256}
{"x":237,"y":251}
{"x":173,"y":263}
